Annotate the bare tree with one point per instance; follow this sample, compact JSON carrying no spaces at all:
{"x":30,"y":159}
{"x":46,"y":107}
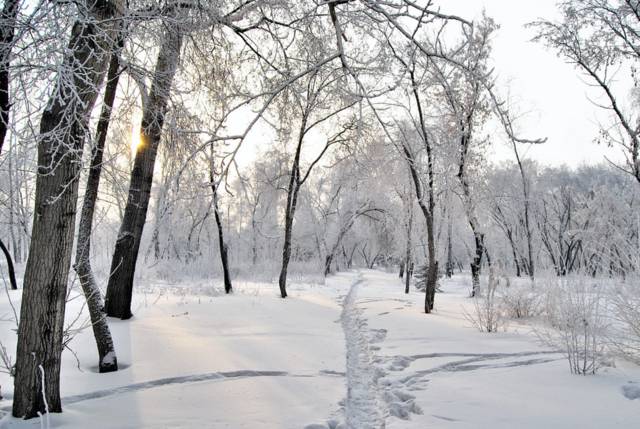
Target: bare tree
{"x":125,"y":255}
{"x":7,"y":34}
{"x":317,"y":106}
{"x":107,"y":360}
{"x":63,"y":130}
{"x":224,"y":257}
{"x":598,"y":37}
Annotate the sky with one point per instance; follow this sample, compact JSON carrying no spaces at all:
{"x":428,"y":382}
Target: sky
{"x":551,"y":94}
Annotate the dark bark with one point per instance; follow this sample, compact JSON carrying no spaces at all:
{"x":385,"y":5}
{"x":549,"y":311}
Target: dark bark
{"x":327,"y":264}
{"x":125,"y":255}
{"x":430,"y":293}
{"x":449,"y":267}
{"x":107,"y":358}
{"x":7,"y":34}
{"x":290,"y":210}
{"x":407,"y":279}
{"x":427,"y":207}
{"x":408,"y":256}
{"x":228,"y":288}
{"x":401,"y":274}
{"x":476,"y":263}
{"x":12,"y":272}
{"x":427,"y":211}
{"x":254,"y":240}
{"x":63,"y":129}
{"x":292,"y":201}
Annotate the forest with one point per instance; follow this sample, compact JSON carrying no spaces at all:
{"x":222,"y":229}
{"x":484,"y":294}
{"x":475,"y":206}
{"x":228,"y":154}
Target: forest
{"x":278,"y":213}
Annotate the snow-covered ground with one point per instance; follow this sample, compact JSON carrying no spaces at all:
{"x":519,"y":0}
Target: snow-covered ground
{"x":355,"y":353}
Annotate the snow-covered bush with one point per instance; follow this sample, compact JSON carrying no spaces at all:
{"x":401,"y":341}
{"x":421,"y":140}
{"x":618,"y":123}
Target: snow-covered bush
{"x":625,"y":328}
{"x":575,"y":310}
{"x":488,"y":313}
{"x":520,"y":301}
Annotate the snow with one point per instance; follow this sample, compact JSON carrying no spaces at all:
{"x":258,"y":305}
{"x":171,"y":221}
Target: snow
{"x":109,"y":358}
{"x":356,"y":352}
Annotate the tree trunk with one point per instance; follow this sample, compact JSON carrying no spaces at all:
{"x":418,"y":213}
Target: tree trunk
{"x":427,"y":211}
{"x":63,"y":128}
{"x":125,"y":255}
{"x":290,"y":211}
{"x":407,"y":280}
{"x":7,"y":33}
{"x":292,"y":198}
{"x":254,"y":240}
{"x":430,"y":294}
{"x":327,"y":264}
{"x":107,"y":360}
{"x":228,"y":288}
{"x":12,"y":272}
{"x":449,"y":267}
{"x":408,"y":256}
{"x":476,"y":263}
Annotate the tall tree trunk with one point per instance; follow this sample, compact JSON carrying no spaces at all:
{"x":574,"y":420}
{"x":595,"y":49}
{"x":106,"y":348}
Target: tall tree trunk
{"x":427,"y":211}
{"x":254,"y":240}
{"x":449,"y":267}
{"x":228,"y":288}
{"x":7,"y":33}
{"x":125,"y":255}
{"x":408,"y":257}
{"x":428,"y":207}
{"x":292,"y":199}
{"x":290,"y":211}
{"x":476,"y":263}
{"x":63,"y":129}
{"x":12,"y":272}
{"x":107,"y":360}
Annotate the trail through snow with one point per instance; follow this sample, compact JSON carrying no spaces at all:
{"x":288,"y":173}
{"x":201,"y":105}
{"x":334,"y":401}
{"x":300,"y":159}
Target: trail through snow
{"x":363,"y":404}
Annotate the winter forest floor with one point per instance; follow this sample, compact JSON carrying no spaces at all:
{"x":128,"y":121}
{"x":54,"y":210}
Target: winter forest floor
{"x":355,"y":353}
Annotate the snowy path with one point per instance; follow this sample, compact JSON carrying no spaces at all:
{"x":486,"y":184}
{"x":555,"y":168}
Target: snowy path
{"x":363,"y":405}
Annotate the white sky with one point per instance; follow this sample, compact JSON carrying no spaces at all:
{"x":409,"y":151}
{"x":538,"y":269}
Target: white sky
{"x":551,"y":93}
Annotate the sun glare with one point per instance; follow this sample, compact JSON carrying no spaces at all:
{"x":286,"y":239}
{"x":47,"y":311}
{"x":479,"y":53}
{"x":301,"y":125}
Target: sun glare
{"x":135,"y":140}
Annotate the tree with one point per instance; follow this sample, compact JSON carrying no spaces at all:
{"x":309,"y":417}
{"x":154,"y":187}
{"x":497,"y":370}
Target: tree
{"x":7,"y":34}
{"x":318,"y":105}
{"x":107,"y":360}
{"x":224,"y":257}
{"x":125,"y":255}
{"x":63,"y":130}
{"x":597,"y":37}
{"x":464,"y":92}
